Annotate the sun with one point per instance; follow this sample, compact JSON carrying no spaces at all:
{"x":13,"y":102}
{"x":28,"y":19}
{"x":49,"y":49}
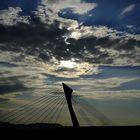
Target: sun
{"x":67,"y":64}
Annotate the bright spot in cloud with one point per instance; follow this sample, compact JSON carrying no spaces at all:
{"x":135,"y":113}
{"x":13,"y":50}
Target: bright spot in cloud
{"x":67,"y":64}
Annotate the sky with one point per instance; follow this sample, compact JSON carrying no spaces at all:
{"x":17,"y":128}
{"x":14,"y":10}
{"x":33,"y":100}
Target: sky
{"x":92,"y":45}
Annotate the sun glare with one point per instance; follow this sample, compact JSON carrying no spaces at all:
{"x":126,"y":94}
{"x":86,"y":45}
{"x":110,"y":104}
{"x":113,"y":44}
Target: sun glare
{"x":67,"y":64}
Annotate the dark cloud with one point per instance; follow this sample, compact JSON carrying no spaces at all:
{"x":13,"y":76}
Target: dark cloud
{"x":7,"y":64}
{"x":11,"y":84}
{"x":45,"y":41}
{"x":3,"y":100}
{"x":4,"y":89}
{"x":32,"y":38}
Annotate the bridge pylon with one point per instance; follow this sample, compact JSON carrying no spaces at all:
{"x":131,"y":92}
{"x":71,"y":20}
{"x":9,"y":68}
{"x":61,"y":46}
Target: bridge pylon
{"x":68,"y":94}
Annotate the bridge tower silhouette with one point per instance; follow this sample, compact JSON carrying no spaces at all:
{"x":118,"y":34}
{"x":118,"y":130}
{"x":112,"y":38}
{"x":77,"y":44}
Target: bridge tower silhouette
{"x":68,"y":93}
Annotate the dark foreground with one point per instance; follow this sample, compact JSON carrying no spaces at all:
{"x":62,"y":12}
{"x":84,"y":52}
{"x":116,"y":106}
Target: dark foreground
{"x":45,"y":131}
{"x":57,"y":128}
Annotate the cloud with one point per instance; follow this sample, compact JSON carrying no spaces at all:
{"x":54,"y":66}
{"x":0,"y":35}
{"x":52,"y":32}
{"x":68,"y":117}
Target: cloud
{"x":104,"y":89}
{"x":36,"y":80}
{"x":82,"y":8}
{"x":93,"y":45}
{"x":4,"y":89}
{"x":11,"y":84}
{"x":11,"y":16}
{"x":128,"y":9}
{"x":100,"y":32}
{"x":48,"y":39}
{"x":109,"y":95}
{"x":130,"y":85}
{"x":48,"y":11}
{"x":76,"y":6}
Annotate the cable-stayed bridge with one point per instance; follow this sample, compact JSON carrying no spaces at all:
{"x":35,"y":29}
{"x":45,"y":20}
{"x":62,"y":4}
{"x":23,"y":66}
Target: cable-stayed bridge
{"x":54,"y":109}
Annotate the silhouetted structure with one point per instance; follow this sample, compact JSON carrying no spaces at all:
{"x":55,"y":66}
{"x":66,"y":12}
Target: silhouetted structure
{"x":68,"y":93}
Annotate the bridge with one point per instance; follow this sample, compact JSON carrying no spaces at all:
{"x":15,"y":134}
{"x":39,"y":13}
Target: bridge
{"x":50,"y":108}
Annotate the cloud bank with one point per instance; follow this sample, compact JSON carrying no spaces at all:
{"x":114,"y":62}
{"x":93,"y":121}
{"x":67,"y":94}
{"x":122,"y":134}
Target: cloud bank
{"x":50,"y":39}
